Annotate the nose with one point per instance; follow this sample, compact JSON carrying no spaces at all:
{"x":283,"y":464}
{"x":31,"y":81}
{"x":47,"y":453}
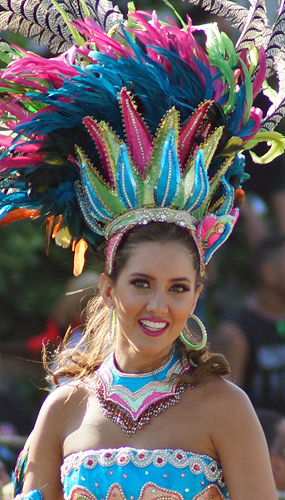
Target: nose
{"x":157,"y":303}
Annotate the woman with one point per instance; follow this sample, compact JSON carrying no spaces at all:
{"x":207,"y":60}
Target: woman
{"x":138,"y":145}
{"x":155,"y":282}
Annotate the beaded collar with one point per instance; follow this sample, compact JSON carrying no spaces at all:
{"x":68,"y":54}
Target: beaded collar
{"x":130,"y":400}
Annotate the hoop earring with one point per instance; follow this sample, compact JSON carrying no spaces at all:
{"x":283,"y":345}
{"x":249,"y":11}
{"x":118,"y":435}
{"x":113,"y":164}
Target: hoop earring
{"x":112,"y":324}
{"x":203,"y":342}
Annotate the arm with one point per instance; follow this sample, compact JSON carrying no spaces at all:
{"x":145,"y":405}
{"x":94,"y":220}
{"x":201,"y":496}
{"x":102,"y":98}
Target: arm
{"x":45,"y":452}
{"x":231,"y":341}
{"x":241,"y":446}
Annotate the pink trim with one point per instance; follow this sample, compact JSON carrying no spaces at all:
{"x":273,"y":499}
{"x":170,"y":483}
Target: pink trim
{"x":112,"y":247}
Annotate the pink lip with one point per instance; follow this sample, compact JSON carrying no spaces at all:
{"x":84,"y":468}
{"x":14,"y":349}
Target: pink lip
{"x":151,"y":333}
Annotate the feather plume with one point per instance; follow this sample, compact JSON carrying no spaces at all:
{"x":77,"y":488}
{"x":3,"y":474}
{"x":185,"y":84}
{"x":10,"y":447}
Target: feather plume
{"x":42,"y":20}
{"x":275,"y":57}
{"x":256,"y":31}
{"x":231,"y":11}
{"x":276,"y":42}
{"x":147,"y":112}
{"x":276,"y":111}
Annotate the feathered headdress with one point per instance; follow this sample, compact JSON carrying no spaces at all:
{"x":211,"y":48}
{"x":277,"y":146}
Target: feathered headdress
{"x":135,"y":125}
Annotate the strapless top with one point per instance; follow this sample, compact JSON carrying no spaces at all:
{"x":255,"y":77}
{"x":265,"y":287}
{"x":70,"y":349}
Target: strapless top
{"x":132,"y":474}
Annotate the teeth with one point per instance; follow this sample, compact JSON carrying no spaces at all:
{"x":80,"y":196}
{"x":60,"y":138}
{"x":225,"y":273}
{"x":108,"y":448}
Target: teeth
{"x":153,"y":325}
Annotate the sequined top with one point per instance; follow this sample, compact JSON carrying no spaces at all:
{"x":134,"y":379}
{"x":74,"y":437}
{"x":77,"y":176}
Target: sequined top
{"x":132,"y":474}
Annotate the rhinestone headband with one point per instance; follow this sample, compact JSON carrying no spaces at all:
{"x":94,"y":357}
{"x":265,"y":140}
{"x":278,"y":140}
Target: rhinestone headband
{"x":116,"y":230}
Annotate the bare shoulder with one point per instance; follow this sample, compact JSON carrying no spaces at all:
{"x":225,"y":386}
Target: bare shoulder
{"x":66,"y":393}
{"x":63,"y":407}
{"x":223,"y":388}
{"x":222,"y":396}
{"x":230,"y":409}
{"x":61,"y":403}
{"x":238,"y":440}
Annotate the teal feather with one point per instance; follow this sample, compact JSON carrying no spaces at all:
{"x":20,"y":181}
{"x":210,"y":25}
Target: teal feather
{"x":200,"y":186}
{"x":169,"y":173}
{"x":125,"y":181}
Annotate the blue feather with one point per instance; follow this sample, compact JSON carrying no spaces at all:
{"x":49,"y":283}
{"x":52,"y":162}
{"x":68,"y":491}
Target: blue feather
{"x":228,"y":197}
{"x":169,"y":173}
{"x":237,"y":169}
{"x":200,"y":185}
{"x":91,"y":199}
{"x":88,"y":216}
{"x":125,"y":181}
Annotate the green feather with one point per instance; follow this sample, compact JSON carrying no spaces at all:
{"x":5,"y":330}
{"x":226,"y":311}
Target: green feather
{"x":217,"y":47}
{"x":248,"y":92}
{"x":275,"y":140}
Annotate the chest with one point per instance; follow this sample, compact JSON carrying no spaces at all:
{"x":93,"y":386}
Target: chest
{"x":182,"y":426}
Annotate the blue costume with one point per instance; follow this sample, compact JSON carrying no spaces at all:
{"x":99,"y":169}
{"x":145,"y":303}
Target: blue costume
{"x":132,"y":474}
{"x":137,"y":474}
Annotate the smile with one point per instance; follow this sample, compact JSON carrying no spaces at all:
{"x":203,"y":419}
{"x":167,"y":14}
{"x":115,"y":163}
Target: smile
{"x":153,"y":328}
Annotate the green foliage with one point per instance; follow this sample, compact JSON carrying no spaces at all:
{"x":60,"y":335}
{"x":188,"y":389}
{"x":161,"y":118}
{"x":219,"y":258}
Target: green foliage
{"x":30,"y":281}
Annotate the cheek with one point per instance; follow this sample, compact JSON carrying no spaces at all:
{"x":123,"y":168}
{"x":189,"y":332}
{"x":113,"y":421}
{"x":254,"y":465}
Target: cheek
{"x":128,"y":304}
{"x":184,"y":309}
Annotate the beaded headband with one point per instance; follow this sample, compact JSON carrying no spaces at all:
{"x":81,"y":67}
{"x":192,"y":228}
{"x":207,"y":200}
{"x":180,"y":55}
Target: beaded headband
{"x":146,"y":128}
{"x":210,"y":233}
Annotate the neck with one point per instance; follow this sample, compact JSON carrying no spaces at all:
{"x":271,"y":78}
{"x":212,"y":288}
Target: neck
{"x":132,"y":361}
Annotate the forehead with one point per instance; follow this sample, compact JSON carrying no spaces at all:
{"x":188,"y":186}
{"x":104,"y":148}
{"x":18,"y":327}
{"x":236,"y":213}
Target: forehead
{"x":160,"y":257}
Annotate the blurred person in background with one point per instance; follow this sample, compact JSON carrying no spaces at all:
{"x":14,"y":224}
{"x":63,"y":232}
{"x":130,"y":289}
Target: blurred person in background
{"x":252,"y":337}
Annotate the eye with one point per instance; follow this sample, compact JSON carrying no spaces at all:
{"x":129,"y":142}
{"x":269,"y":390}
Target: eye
{"x":179,"y":288}
{"x":139,"y":283}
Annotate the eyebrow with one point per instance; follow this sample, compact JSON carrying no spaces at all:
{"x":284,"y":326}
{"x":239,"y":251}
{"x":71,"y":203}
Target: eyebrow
{"x":172,"y":280}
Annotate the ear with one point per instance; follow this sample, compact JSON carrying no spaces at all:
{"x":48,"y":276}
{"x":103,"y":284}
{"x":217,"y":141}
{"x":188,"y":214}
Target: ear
{"x":106,"y":289}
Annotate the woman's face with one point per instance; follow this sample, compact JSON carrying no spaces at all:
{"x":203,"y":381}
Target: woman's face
{"x":153,"y":297}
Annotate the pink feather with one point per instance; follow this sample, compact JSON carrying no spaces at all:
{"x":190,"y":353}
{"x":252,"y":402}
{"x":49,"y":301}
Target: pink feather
{"x":139,"y":139}
{"x":20,"y":161}
{"x":96,"y":134}
{"x":102,"y":41}
{"x":261,"y":73}
{"x":189,"y":132}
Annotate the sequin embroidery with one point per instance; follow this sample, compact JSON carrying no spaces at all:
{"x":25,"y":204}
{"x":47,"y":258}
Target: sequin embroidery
{"x":138,"y":474}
